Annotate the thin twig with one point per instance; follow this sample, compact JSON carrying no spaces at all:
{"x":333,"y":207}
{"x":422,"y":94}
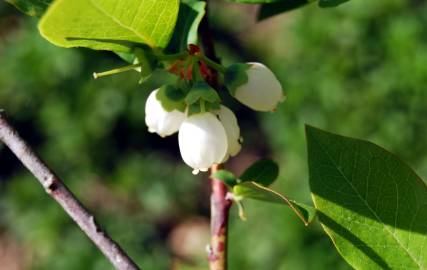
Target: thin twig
{"x":220,"y":205}
{"x":58,"y":191}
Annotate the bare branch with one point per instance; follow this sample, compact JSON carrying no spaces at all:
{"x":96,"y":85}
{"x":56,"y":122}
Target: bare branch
{"x":57,"y":190}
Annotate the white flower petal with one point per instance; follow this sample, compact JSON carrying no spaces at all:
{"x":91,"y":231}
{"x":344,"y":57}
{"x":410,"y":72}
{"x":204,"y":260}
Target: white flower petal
{"x":202,"y":141}
{"x":263,"y":91}
{"x":232,"y":129}
{"x":158,"y":119}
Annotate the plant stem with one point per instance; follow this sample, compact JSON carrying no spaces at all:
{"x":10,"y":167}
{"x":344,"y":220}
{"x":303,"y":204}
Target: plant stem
{"x":220,"y":207}
{"x":58,"y":191}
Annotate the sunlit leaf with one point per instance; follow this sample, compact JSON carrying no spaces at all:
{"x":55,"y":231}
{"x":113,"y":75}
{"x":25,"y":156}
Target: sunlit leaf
{"x":110,"y":25}
{"x":371,"y":204}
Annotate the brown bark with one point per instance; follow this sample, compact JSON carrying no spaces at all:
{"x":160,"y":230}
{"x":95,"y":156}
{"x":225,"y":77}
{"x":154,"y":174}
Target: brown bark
{"x":58,"y":191}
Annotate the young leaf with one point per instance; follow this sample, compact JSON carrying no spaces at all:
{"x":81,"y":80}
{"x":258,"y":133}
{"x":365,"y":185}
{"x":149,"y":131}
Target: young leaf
{"x":225,"y":176}
{"x":31,"y":7}
{"x":371,"y":204}
{"x":190,"y":15}
{"x":109,"y":25}
{"x":256,"y":191}
{"x":264,"y":172}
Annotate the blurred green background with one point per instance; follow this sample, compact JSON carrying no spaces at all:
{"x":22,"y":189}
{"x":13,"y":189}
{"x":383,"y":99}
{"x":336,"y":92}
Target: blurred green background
{"x":359,"y":70}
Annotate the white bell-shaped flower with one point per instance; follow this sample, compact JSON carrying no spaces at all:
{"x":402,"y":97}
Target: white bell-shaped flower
{"x":262,"y":91}
{"x":158,"y":119}
{"x":232,"y":130}
{"x":202,"y":141}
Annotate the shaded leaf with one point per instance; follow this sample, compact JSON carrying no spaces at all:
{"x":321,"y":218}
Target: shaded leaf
{"x":269,"y":9}
{"x":109,"y":25}
{"x":371,"y":204}
{"x":190,"y":15}
{"x":256,"y":191}
{"x":31,"y":7}
{"x":331,"y":3}
{"x":272,"y":9}
{"x":264,"y":172}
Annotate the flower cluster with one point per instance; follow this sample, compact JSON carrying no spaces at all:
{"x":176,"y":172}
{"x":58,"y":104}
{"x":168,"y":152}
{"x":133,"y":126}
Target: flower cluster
{"x":208,"y":131}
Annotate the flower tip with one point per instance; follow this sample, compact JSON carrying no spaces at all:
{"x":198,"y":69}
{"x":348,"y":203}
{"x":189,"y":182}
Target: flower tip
{"x":195,"y":172}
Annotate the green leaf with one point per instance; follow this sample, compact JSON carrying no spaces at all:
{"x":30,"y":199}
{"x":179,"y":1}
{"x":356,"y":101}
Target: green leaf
{"x":190,"y":15}
{"x":171,"y":98}
{"x":31,"y":7}
{"x":331,"y":3}
{"x":225,"y":176}
{"x":202,"y":91}
{"x":256,"y":191}
{"x":371,"y":204}
{"x":109,"y":25}
{"x":264,"y":172}
{"x":235,"y":76}
{"x":269,"y":9}
{"x":272,"y":9}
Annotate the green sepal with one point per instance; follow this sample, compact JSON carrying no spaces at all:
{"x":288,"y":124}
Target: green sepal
{"x":225,"y":176}
{"x":235,"y":76}
{"x":263,"y":171}
{"x":196,"y":108}
{"x":171,"y":98}
{"x":158,"y":78}
{"x":253,"y":190}
{"x":202,"y":91}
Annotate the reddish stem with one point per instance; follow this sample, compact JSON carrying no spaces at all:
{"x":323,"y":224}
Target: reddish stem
{"x":220,"y":207}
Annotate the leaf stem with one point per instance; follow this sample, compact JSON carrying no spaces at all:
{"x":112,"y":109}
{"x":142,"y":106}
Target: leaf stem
{"x":116,"y":70}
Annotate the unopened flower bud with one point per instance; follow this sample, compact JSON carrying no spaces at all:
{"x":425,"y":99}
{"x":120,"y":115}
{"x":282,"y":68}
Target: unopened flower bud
{"x":158,"y":119}
{"x":202,"y":141}
{"x":229,"y":121}
{"x":255,"y":86}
